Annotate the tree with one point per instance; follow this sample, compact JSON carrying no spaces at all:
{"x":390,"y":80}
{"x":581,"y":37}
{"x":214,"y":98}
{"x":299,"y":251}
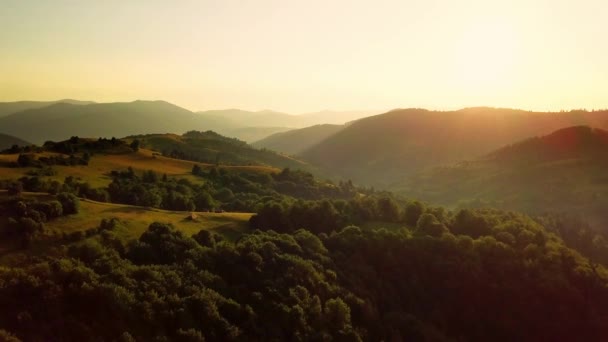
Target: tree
{"x":206,"y":238}
{"x":69,"y":202}
{"x":413,"y":211}
{"x":389,"y":210}
{"x":197,"y":170}
{"x":428,"y":224}
{"x":149,"y":177}
{"x":135,"y":145}
{"x":467,"y":222}
{"x":337,"y":315}
{"x":26,"y":160}
{"x":204,"y":201}
{"x":151,"y":199}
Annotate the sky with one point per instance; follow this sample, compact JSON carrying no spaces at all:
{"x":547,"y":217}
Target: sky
{"x":302,"y":56}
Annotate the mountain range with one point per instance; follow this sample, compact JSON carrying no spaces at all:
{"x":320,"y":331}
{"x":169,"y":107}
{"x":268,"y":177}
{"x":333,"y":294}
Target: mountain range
{"x":298,"y":140}
{"x":564,"y":171}
{"x":7,"y":108}
{"x":40,"y":121}
{"x":378,"y":150}
{"x":387,"y":148}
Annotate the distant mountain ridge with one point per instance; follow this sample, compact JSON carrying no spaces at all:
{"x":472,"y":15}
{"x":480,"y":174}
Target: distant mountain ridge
{"x":118,"y":119}
{"x":386,"y":148}
{"x":269,"y":118}
{"x":563,"y":172}
{"x":7,"y":108}
{"x":298,"y":140}
{"x":566,"y":143}
{"x":39,"y":121}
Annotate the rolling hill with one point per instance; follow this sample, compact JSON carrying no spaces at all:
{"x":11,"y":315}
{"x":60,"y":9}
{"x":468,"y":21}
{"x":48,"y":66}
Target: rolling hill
{"x":7,"y":108}
{"x":210,"y":147}
{"x":386,"y":148}
{"x":298,"y":140}
{"x":564,"y":171}
{"x":6,"y":141}
{"x":267,"y":118}
{"x":39,"y":121}
{"x":250,"y":134}
{"x":61,"y":120}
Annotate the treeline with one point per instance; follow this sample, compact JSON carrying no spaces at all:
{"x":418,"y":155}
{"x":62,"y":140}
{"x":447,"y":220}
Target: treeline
{"x":76,"y":145}
{"x":26,"y":217}
{"x":504,"y":280}
{"x":222,"y":189}
{"x":53,"y":187}
{"x":325,"y":216}
{"x":74,"y":151}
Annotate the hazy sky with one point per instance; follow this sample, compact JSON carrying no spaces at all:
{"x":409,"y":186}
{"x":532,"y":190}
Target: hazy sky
{"x":308,"y":55}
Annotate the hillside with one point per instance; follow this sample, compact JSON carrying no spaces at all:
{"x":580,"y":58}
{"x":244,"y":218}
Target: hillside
{"x":268,"y":118}
{"x":212,"y":148}
{"x":134,"y":220}
{"x":567,"y":143}
{"x":352,"y":263}
{"x":39,"y":121}
{"x":298,"y":140}
{"x":382,"y":149}
{"x":6,"y":141}
{"x":564,"y":171}
{"x":7,"y":108}
{"x":62,"y":120}
{"x":97,"y":173}
{"x":251,"y":134}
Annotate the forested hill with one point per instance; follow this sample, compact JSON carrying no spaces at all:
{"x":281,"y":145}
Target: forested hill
{"x":61,"y":120}
{"x":564,"y":171}
{"x":298,"y":140}
{"x":213,"y":148}
{"x":385,"y":148}
{"x":572,"y":142}
{"x":317,"y":261}
{"x":7,"y":141}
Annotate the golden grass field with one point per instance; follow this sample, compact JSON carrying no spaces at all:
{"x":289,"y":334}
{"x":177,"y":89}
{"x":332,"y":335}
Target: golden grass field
{"x":137,"y":219}
{"x":134,"y":221}
{"x":100,"y":165}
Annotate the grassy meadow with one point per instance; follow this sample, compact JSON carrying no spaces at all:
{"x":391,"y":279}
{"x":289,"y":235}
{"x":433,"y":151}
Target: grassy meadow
{"x":100,"y":166}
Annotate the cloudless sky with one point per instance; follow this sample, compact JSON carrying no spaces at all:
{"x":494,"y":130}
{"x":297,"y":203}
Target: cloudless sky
{"x":308,"y":55}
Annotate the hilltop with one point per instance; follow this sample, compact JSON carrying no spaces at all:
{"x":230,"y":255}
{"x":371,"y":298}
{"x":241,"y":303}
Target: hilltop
{"x":57,"y":121}
{"x":298,"y":140}
{"x":564,"y":171}
{"x":385,"y":148}
{"x":39,"y":121}
{"x":269,"y":118}
{"x":212,"y":148}
{"x":7,"y":108}
{"x":567,"y":143}
{"x":6,"y":141}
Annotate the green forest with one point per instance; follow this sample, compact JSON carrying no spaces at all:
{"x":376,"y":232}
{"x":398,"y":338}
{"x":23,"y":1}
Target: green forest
{"x":243,"y":244}
{"x":319,"y":261}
